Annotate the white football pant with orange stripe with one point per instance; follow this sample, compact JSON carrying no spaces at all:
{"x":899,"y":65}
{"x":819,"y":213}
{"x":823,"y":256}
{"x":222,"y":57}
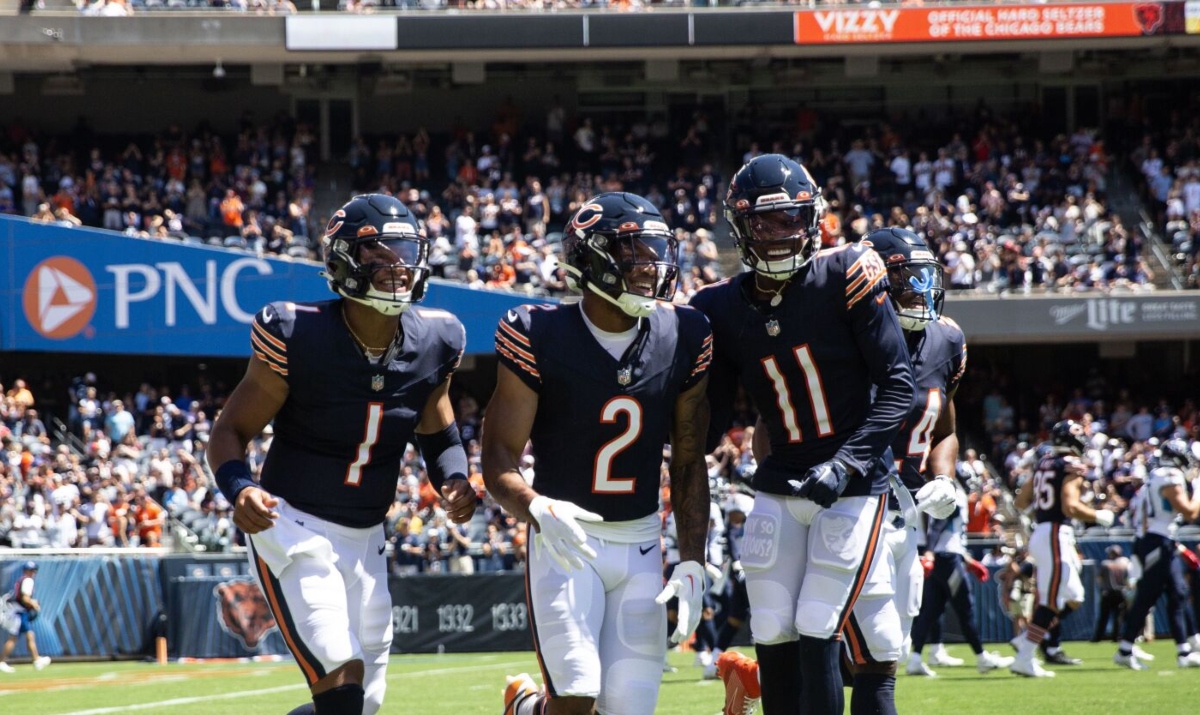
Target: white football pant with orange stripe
{"x":1052,"y":549}
{"x":807,"y":567}
{"x":326,"y":585}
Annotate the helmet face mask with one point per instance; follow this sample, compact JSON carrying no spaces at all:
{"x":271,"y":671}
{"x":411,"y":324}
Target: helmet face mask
{"x":917,"y":293}
{"x":774,"y":209}
{"x":1179,"y":454}
{"x":376,"y":254}
{"x":619,"y":248}
{"x":915,"y":277}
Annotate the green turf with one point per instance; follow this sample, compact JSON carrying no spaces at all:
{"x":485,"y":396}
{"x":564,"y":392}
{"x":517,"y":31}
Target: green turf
{"x":467,"y":684}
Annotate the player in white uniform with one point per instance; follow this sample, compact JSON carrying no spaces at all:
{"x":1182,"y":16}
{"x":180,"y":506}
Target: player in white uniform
{"x":1166,"y":498}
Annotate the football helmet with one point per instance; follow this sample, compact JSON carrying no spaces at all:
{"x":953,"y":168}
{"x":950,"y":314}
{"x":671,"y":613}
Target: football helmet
{"x":376,"y":253}
{"x":774,"y":209}
{"x":1177,"y":453}
{"x":1070,"y":436}
{"x":618,"y":246}
{"x":914,"y":276}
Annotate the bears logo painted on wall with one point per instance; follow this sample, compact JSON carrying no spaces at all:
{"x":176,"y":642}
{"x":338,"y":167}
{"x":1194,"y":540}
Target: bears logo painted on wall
{"x":1149,"y":16}
{"x":242,"y":611}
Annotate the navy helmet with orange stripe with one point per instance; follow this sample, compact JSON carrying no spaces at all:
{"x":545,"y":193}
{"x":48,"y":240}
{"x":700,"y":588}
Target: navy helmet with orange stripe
{"x":914,"y":275}
{"x":376,"y":253}
{"x":618,"y":246}
{"x":774,"y":208}
{"x":1069,"y":436}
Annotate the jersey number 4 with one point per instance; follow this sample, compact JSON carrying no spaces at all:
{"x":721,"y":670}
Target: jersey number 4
{"x":363,"y":455}
{"x":602,"y":480}
{"x":816,"y":395}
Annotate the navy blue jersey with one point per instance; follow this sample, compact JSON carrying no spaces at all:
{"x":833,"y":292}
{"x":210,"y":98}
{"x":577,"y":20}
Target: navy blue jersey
{"x":344,"y":426}
{"x":1048,"y":478}
{"x":601,"y":423}
{"x":828,"y":368}
{"x":939,"y":359}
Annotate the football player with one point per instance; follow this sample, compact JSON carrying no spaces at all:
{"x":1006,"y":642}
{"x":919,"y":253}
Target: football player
{"x":599,"y":387}
{"x":926,"y":448}
{"x":814,"y":340}
{"x":349,"y":383}
{"x":948,"y":562}
{"x":1054,"y":491}
{"x":1165,"y":500}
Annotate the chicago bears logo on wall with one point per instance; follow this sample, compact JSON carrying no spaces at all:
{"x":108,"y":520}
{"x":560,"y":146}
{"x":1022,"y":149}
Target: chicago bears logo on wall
{"x":1149,"y":16}
{"x":242,"y":611}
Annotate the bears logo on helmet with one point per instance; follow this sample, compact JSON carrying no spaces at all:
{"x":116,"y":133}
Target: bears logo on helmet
{"x":376,"y":253}
{"x":618,"y":246}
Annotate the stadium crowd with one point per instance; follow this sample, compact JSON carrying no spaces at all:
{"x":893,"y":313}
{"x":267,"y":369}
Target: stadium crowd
{"x":1007,"y":209}
{"x":134,"y":464}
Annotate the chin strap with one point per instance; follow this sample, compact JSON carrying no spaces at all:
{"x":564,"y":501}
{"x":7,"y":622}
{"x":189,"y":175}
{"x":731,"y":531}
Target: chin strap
{"x":635,"y":306}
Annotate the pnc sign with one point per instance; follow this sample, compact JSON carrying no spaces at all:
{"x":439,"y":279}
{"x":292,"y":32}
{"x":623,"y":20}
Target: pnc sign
{"x":59,"y":297}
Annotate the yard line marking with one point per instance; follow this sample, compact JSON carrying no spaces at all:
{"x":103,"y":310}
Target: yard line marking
{"x":187,"y":701}
{"x":277,"y":689}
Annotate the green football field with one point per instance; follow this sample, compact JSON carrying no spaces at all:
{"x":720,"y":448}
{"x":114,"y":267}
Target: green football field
{"x":467,"y":684}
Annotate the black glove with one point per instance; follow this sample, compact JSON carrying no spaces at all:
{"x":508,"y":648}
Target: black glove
{"x":823,"y":484}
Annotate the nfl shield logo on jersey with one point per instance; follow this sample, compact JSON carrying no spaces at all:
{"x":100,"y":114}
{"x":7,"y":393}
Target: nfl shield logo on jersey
{"x":377,"y":383}
{"x":625,"y":375}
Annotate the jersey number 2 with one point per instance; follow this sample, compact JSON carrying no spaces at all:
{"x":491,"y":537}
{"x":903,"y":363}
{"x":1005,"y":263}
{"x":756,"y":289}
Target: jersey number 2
{"x":363,"y":455}
{"x":602,"y":480}
{"x":816,"y":395}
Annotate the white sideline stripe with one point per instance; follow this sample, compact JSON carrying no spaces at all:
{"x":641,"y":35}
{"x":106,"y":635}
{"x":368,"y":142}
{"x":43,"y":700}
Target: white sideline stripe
{"x":268,"y":691}
{"x":186,"y":701}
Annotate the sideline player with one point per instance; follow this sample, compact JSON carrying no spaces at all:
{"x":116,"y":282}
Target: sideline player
{"x":349,"y":383}
{"x":814,"y":340}
{"x":1164,"y":502}
{"x":1054,"y":490}
{"x":599,"y":387}
{"x":947,"y":584}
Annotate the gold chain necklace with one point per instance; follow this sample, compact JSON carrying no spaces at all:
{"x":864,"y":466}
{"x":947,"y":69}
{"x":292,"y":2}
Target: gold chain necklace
{"x":367,"y":350}
{"x":776,"y":297}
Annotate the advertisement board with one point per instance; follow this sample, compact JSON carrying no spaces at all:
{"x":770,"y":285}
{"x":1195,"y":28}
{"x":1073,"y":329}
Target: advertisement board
{"x":91,"y":291}
{"x":1159,"y":315}
{"x":865,"y":25}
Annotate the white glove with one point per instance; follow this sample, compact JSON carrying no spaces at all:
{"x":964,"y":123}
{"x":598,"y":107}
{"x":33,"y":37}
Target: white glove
{"x":1105,"y":518}
{"x":687,"y":582}
{"x":560,"y":534}
{"x":938,"y":497}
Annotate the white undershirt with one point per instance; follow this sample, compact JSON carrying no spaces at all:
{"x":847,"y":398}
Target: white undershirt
{"x":615,"y":343}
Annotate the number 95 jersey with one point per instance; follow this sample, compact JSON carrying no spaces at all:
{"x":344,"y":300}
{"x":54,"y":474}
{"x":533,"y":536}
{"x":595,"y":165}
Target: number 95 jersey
{"x":346,"y":422}
{"x":601,"y":422}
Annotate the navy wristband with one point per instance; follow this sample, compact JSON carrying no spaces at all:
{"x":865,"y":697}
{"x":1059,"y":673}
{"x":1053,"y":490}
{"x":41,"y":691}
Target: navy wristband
{"x":232,"y":477}
{"x":444,"y":455}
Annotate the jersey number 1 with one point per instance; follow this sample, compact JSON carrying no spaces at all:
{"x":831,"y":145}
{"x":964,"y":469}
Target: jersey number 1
{"x":816,"y":395}
{"x":363,"y":455}
{"x":602,"y":480}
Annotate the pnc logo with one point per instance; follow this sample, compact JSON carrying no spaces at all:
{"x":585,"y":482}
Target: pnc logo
{"x":59,"y":297}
